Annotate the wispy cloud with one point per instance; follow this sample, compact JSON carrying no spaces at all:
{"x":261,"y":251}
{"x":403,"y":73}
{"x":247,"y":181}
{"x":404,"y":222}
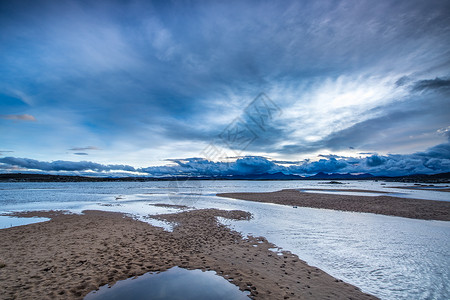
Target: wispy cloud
{"x":84,"y":148}
{"x":5,"y":151}
{"x":24,"y":117}
{"x":437,"y":83}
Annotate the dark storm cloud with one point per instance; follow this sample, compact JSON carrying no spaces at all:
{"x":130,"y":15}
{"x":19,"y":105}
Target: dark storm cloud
{"x":437,"y":83}
{"x":441,"y":151}
{"x":375,"y":160}
{"x":403,"y":81}
{"x":61,"y":165}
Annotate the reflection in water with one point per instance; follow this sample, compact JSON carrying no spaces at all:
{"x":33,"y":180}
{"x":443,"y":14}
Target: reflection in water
{"x":173,"y":284}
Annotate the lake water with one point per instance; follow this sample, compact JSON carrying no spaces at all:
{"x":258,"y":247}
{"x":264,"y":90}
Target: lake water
{"x":6,"y":221}
{"x":173,"y":284}
{"x":390,"y":257}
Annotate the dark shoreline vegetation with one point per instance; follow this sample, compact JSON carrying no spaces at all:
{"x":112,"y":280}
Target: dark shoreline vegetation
{"x":31,"y":177}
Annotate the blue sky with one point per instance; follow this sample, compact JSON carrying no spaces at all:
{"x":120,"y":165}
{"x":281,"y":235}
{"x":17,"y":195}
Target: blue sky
{"x":111,"y":87}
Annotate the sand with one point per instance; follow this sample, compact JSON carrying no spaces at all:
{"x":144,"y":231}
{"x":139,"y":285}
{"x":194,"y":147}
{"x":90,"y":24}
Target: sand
{"x":385,"y":205}
{"x":347,"y":190}
{"x":71,"y":255}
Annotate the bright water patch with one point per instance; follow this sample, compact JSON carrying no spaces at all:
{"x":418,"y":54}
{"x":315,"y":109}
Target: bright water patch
{"x":7,"y":221}
{"x":173,"y":284}
{"x":167,"y":226}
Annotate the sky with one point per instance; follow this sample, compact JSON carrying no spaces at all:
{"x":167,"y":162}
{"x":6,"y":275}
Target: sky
{"x":161,"y":88}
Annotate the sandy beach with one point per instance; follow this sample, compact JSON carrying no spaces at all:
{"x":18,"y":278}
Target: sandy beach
{"x":385,"y":205}
{"x":71,"y":255}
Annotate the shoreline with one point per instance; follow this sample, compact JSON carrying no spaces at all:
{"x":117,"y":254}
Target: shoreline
{"x":384,"y":205}
{"x":71,"y":255}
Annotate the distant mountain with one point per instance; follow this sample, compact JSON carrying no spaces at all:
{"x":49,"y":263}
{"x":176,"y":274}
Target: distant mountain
{"x":322,"y":175}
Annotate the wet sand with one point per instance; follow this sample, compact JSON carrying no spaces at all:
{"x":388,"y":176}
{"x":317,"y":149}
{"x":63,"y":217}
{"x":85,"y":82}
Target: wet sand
{"x":71,"y":255}
{"x":385,"y":205}
{"x":347,"y":190}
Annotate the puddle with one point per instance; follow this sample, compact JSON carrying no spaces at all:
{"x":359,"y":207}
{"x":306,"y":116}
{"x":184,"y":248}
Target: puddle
{"x":7,"y":221}
{"x":173,"y":284}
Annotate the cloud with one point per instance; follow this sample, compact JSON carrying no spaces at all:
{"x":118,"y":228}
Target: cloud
{"x":435,"y":160}
{"x":444,"y":131}
{"x":375,"y":160}
{"x":24,"y":117}
{"x":61,"y":165}
{"x":441,"y":151}
{"x":81,"y":153}
{"x":431,"y":84}
{"x":5,"y":151}
{"x":84,"y":148}
{"x":1,"y":152}
{"x":403,"y":81}
{"x":410,"y":121}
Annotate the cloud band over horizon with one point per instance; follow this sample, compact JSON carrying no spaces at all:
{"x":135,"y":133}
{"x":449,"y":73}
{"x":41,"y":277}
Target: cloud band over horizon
{"x":434,"y":160}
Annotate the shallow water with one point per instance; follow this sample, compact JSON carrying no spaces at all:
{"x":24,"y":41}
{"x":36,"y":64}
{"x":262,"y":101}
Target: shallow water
{"x":6,"y":221}
{"x":390,"y":257}
{"x":173,"y":284}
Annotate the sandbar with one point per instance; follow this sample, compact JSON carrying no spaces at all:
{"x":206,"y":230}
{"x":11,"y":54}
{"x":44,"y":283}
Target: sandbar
{"x":385,"y":205}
